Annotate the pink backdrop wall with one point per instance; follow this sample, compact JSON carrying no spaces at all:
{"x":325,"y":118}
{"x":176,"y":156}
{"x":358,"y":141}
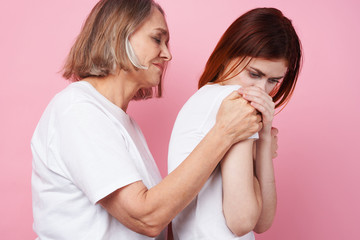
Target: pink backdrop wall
{"x":318,"y":164}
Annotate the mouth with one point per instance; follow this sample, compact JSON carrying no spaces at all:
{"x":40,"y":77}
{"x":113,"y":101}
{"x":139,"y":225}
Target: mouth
{"x":160,"y":66}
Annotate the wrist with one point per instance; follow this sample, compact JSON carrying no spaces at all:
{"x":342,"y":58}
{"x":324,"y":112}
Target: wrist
{"x":223,"y":137}
{"x":265,"y":134}
{"x":264,"y":140}
{"x":267,"y":127}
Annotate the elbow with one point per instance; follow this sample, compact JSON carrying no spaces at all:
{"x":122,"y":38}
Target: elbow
{"x":143,"y":220}
{"x":151,"y":225}
{"x":147,"y":219}
{"x":151,"y":231}
{"x":241,"y":228}
{"x":242,"y":220}
{"x":242,"y":225}
{"x":265,"y":222}
{"x":261,"y":228}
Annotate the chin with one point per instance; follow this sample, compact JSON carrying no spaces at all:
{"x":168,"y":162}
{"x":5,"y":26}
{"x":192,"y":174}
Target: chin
{"x":155,"y":82}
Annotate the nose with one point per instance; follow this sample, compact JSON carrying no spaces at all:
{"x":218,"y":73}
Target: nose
{"x":165,"y":53}
{"x":261,"y":84}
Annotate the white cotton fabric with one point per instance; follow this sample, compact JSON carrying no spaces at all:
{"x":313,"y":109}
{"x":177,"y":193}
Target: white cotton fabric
{"x":203,"y":218}
{"x":84,"y":148}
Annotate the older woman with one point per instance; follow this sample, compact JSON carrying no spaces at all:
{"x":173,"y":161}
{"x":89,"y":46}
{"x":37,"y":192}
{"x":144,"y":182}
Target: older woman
{"x":93,"y":175}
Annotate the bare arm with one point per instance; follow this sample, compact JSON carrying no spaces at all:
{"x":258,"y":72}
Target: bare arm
{"x":264,"y":169}
{"x":265,"y":174}
{"x":148,"y":211}
{"x":241,"y":191}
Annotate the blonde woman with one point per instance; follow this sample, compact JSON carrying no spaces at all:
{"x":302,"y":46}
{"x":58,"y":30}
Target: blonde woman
{"x":93,"y":175}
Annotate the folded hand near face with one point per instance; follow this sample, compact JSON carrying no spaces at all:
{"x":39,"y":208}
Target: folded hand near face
{"x":238,"y":118}
{"x":262,"y":102}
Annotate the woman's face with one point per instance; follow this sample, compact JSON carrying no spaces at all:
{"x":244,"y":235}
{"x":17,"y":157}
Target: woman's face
{"x":260,"y":72}
{"x":150,"y":44}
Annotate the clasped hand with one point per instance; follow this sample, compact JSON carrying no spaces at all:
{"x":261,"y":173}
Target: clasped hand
{"x":263,"y":103}
{"x":238,"y":118}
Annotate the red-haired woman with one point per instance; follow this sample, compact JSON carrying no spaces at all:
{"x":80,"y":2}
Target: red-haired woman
{"x":261,"y":53}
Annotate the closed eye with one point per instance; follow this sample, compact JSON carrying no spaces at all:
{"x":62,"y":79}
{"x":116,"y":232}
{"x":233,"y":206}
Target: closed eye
{"x":254,"y":75}
{"x":157,"y":40}
{"x":274,"y":80}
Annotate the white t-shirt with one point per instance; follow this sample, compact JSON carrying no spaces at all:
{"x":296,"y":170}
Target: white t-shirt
{"x":203,"y":218}
{"x":84,"y":148}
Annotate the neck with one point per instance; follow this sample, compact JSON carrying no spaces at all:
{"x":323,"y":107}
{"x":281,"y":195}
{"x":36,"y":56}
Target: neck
{"x":118,"y":89}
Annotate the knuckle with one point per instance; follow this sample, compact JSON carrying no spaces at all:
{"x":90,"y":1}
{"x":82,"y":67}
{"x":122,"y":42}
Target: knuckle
{"x":252,"y":120}
{"x":250,"y":110}
{"x":242,"y":100}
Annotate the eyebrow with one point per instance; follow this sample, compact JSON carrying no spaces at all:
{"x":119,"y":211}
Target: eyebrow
{"x":263,"y":74}
{"x":163,"y":31}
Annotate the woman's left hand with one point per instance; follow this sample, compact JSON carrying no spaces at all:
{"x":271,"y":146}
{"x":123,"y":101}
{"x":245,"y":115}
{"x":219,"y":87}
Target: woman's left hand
{"x":262,"y":102}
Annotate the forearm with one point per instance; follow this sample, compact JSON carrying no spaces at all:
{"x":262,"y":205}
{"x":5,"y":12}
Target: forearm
{"x":241,"y":196}
{"x":149,"y":211}
{"x":180,"y":187}
{"x":264,"y":170}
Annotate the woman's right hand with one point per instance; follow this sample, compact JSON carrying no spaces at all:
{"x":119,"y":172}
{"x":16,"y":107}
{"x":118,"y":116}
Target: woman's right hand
{"x":237,"y":118}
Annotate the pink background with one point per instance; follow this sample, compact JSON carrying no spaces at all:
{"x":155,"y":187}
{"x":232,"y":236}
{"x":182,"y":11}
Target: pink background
{"x":318,"y":164}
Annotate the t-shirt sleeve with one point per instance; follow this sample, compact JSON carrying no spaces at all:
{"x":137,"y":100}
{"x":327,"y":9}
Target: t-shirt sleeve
{"x":94,"y":151}
{"x":210,"y":119}
{"x":180,"y":148}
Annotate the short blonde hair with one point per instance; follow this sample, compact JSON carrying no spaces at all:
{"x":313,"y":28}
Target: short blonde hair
{"x":100,"y":48}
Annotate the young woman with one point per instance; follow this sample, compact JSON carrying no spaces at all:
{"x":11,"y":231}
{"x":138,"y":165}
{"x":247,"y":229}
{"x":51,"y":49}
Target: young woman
{"x":93,"y":175}
{"x":261,"y":53}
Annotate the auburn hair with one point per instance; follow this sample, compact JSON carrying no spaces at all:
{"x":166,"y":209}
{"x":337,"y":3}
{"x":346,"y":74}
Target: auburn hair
{"x":259,"y":33}
{"x":100,"y":48}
